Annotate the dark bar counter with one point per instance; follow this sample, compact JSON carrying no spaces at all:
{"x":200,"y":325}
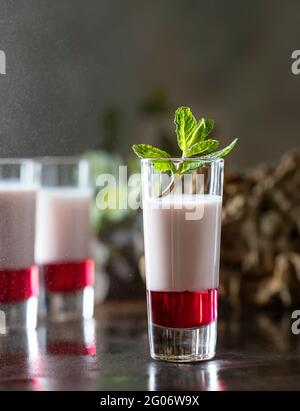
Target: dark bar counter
{"x":256,"y":351}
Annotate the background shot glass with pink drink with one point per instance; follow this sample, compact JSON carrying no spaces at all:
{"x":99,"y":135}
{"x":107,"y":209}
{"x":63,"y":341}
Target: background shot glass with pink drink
{"x":19,"y":275}
{"x":63,"y":238}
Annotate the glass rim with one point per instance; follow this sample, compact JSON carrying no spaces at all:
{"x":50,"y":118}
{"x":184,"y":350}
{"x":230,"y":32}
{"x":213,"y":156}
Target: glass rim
{"x":179,"y":159}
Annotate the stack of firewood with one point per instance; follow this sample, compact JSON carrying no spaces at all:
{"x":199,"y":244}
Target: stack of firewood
{"x":260,"y":252}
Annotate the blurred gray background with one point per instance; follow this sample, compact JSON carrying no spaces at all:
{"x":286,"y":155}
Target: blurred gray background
{"x":73,"y":66}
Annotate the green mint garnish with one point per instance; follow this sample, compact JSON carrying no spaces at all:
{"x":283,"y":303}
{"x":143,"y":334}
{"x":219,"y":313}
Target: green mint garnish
{"x":148,"y":151}
{"x":192,"y":140}
{"x":191,"y":132}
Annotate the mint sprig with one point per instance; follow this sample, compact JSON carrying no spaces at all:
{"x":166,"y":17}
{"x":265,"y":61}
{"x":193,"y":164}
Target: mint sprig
{"x":201,"y":147}
{"x":192,"y":140}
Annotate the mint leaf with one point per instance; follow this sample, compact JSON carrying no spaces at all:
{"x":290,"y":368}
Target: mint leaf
{"x":189,"y":130}
{"x":204,"y":127}
{"x":164,"y":166}
{"x":186,"y":124}
{"x":187,"y":166}
{"x":221,"y":153}
{"x":202,"y":147}
{"x":148,"y":151}
{"x":193,"y":165}
{"x":209,"y":125}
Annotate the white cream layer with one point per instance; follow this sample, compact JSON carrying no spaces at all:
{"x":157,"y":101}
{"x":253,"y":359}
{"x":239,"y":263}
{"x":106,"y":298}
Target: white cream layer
{"x":182,"y":242}
{"x":17,"y":225}
{"x":63,"y":225}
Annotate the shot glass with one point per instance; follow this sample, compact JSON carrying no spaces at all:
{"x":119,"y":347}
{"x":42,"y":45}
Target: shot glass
{"x":63,"y":238}
{"x":182,"y":225}
{"x":19,"y":276}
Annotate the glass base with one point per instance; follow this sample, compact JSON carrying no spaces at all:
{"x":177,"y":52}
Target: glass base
{"x":18,"y":316}
{"x":183,"y":344}
{"x":70,"y":306}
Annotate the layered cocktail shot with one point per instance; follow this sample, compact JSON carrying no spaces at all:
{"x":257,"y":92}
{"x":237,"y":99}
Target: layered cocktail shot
{"x":63,"y":238}
{"x":182,"y":247}
{"x":19,"y":276}
{"x":182,"y":202}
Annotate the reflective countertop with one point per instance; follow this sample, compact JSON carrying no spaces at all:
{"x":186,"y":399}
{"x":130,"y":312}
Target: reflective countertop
{"x":256,"y":351}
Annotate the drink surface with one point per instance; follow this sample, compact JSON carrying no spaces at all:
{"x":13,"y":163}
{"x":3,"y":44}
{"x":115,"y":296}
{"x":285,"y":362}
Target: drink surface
{"x":184,"y":309}
{"x":182,"y":242}
{"x":63,"y":233}
{"x":17,"y":226}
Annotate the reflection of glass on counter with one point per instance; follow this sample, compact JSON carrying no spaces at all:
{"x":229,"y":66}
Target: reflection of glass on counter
{"x":204,"y":378}
{"x":20,"y":351}
{"x":63,"y":238}
{"x":76,"y":339}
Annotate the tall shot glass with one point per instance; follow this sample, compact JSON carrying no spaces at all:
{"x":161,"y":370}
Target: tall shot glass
{"x":19,"y":276}
{"x":182,"y":225}
{"x":63,"y":238}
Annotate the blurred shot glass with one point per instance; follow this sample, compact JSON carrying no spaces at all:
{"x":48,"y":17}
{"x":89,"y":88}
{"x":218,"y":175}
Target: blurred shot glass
{"x":19,"y":276}
{"x":63,"y":238}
